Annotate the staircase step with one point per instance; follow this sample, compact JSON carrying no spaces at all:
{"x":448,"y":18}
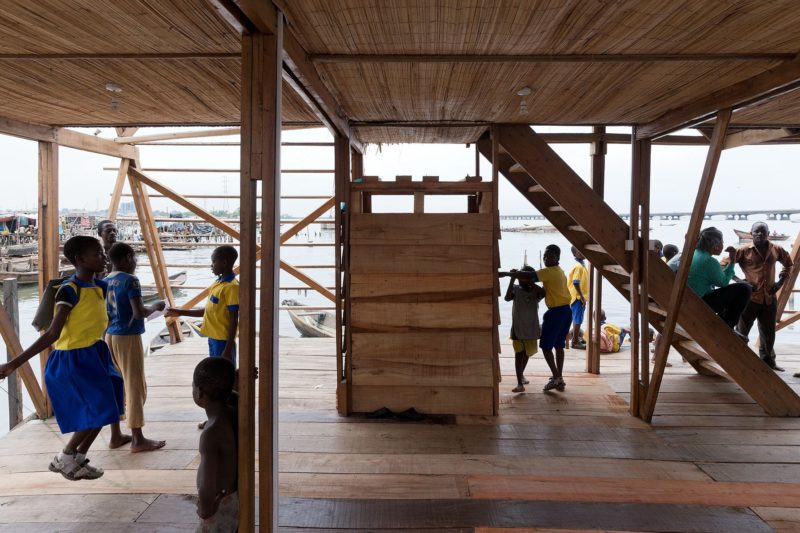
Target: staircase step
{"x":579,"y":229}
{"x":595,"y":248}
{"x":615,"y":269}
{"x":516,"y":167}
{"x":536,"y":188}
{"x":713,"y":367}
{"x":556,"y":208}
{"x":657,"y":309}
{"x":694,"y":348}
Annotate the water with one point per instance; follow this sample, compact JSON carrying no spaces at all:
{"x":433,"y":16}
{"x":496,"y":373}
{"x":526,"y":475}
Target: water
{"x":513,"y":246}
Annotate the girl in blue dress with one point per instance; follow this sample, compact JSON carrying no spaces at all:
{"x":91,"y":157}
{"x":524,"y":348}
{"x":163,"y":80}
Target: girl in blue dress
{"x":86,"y":391}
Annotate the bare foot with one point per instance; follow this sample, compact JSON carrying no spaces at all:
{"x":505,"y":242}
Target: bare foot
{"x":518,"y":388}
{"x":122,"y":440}
{"x":147,"y":445}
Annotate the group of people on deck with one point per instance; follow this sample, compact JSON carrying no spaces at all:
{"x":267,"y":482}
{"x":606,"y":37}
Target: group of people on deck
{"x":739,"y":304}
{"x":95,"y":374}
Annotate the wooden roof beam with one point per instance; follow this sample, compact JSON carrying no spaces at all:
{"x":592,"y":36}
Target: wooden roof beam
{"x":755,"y":136}
{"x":299,"y":72}
{"x":542,"y":58}
{"x":65,"y":137}
{"x":770,"y":84}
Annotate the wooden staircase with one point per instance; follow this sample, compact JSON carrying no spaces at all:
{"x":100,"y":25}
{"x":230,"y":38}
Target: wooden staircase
{"x":704,"y":340}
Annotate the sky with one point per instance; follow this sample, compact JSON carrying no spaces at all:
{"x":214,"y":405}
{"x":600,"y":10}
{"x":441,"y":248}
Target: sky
{"x":757,"y":177}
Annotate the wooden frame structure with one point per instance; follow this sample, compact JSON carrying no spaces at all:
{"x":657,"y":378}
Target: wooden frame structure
{"x":269,"y":53}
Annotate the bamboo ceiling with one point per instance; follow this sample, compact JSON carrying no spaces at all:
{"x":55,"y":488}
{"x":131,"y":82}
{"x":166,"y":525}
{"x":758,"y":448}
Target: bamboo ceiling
{"x":391,"y":99}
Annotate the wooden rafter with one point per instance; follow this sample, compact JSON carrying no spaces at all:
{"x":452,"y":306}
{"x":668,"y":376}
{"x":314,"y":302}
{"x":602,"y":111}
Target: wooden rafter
{"x":770,"y":84}
{"x":544,"y":58}
{"x":679,"y":286}
{"x":299,"y":72}
{"x":119,"y":55}
{"x":65,"y":137}
{"x":220,"y":132}
{"x":755,"y":136}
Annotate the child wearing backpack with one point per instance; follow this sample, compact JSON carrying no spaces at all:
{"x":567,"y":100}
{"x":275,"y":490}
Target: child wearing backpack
{"x":84,"y":387}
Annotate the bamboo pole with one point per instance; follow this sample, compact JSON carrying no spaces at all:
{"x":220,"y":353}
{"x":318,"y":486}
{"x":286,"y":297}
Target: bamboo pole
{"x":703,"y":194}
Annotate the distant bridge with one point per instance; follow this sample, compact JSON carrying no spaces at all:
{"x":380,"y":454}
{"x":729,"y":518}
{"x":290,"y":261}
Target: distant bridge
{"x":768,"y":214}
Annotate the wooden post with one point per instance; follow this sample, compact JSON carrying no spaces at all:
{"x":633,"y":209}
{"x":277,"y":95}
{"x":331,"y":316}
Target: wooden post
{"x":635,"y":244}
{"x":11,"y":306}
{"x":341,"y":177}
{"x":260,"y":161}
{"x":692,"y":234}
{"x":49,"y":262}
{"x":788,"y":285}
{"x":644,"y":148}
{"x":116,"y":194}
{"x":598,"y":154}
{"x":496,"y":265}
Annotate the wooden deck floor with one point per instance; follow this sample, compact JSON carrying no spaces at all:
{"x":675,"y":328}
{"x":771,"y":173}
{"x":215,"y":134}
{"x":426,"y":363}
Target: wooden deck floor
{"x":575,"y":461}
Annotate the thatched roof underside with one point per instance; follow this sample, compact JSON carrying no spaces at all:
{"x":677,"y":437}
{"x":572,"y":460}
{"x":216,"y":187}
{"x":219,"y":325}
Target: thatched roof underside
{"x":392,"y":101}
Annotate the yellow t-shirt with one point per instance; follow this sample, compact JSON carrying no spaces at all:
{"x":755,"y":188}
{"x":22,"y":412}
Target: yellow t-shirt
{"x":581,"y":274}
{"x":87,"y":321}
{"x":554,"y":281}
{"x":223,"y":298}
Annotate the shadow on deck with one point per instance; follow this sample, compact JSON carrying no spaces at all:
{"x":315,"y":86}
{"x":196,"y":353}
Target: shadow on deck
{"x":711,"y":461}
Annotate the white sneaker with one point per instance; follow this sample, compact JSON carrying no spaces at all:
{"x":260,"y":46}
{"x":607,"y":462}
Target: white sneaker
{"x":68,"y":467}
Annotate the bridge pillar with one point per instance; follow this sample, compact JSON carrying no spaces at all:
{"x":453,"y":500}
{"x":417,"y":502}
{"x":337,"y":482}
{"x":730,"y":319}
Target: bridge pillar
{"x":773,"y":216}
{"x":785,"y":216}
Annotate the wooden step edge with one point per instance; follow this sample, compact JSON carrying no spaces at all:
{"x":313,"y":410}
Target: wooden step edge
{"x":657,"y":309}
{"x":714,"y":368}
{"x":536,"y":188}
{"x":556,"y":208}
{"x":615,"y":269}
{"x":696,"y":349}
{"x":595,"y":248}
{"x":517,"y":168}
{"x":579,"y":229}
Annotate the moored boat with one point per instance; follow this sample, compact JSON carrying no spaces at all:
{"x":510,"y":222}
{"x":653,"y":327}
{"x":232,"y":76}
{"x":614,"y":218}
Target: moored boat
{"x":311,"y":323}
{"x":151,"y":294}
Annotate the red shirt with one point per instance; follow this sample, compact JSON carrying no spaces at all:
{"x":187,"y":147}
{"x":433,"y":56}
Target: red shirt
{"x":759,"y":270}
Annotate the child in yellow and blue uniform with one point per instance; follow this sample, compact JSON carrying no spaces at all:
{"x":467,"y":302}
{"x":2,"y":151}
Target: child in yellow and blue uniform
{"x":578,"y":285}
{"x":221,"y":313}
{"x":86,"y":391}
{"x":557,"y":318}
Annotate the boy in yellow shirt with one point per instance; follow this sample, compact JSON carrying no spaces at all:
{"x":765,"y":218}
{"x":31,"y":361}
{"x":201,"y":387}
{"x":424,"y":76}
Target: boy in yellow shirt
{"x":221,"y":313}
{"x":557,"y":318}
{"x":578,"y":290}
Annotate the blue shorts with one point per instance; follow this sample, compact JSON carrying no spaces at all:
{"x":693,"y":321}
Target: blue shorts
{"x":555,"y":326}
{"x":217,"y":346}
{"x":577,"y":312}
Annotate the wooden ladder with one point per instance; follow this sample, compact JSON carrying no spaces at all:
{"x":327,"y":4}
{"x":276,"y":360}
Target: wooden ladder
{"x":559,"y":194}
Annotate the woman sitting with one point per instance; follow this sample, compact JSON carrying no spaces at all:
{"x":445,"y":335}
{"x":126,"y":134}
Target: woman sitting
{"x":710,"y":281}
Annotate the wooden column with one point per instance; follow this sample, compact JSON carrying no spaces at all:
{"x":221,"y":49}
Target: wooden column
{"x":643,"y":147}
{"x":634,"y":244}
{"x":49,"y":262}
{"x":116,"y":194}
{"x":598,"y":155}
{"x":11,"y":307}
{"x":692,"y":234}
{"x":260,"y":161}
{"x":496,"y":263}
{"x":341,"y":179}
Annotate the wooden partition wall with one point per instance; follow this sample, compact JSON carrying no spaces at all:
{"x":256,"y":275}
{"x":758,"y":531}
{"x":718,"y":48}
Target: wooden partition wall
{"x":422,"y":302}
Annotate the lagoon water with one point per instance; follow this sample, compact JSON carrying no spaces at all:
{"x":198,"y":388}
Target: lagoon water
{"x":513,"y":247}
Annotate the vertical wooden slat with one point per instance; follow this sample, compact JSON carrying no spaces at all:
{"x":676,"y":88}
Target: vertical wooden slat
{"x":11,"y":307}
{"x":598,"y":155}
{"x":634,"y":242}
{"x":355,"y":207}
{"x":49,"y":262}
{"x":495,"y":267}
{"x":644,"y":258}
{"x":261,"y":112}
{"x":692,"y":234}
{"x":788,"y":285}
{"x":341,"y":177}
{"x":250,"y":171}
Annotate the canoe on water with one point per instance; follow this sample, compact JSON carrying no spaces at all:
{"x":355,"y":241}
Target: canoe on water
{"x":311,"y":323}
{"x":162,"y":339}
{"x":151,"y":295}
{"x":745,"y":236}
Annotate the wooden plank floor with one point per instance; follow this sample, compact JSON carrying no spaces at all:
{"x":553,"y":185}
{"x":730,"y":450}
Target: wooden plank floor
{"x":572,"y":461}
